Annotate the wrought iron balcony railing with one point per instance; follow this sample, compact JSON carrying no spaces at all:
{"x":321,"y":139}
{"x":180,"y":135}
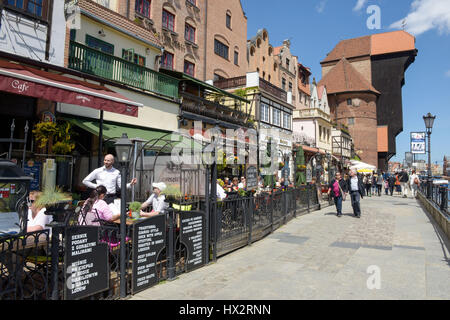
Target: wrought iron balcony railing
{"x":92,"y":61}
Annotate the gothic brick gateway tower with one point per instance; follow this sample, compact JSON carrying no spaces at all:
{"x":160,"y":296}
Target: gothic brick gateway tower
{"x":364,"y":79}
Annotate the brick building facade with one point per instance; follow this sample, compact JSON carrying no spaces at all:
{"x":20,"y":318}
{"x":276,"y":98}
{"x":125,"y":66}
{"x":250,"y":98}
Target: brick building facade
{"x":364,"y":77}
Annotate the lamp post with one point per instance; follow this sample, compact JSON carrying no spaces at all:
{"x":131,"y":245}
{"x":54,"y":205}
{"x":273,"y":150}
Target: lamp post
{"x":123,"y":149}
{"x":429,"y":121}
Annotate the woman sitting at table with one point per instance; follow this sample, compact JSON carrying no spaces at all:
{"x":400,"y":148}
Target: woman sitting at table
{"x":156,"y":200}
{"x":96,"y":208}
{"x":37,"y":219}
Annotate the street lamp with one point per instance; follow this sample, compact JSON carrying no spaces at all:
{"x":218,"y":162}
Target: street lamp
{"x":123,"y":150}
{"x":429,"y":121}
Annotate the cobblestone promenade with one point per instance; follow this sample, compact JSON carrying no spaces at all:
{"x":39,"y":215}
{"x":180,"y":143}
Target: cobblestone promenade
{"x":394,"y":248}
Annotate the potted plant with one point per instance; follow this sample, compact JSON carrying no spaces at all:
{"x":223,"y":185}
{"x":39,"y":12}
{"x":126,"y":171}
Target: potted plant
{"x":135,"y":208}
{"x":56,"y":202}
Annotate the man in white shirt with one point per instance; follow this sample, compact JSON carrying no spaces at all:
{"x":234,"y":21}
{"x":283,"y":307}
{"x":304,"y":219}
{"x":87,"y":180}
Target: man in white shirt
{"x":107,"y":176}
{"x":221,"y":194}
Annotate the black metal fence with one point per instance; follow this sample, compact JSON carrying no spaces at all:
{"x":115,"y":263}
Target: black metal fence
{"x":35,"y":265}
{"x":438,"y":194}
{"x":240,"y":221}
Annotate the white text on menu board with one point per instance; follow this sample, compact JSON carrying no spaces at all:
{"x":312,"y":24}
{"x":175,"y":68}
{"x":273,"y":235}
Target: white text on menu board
{"x":195,"y":225}
{"x":80,"y":270}
{"x":145,"y":241}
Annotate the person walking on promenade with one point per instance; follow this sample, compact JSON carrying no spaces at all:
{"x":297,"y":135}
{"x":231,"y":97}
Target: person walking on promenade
{"x":386,"y":185}
{"x":391,"y":180}
{"x":107,"y":176}
{"x":404,"y":178}
{"x":356,"y":189}
{"x":380,"y":182}
{"x":338,"y":189}
{"x":367,"y":180}
{"x":414,"y":182}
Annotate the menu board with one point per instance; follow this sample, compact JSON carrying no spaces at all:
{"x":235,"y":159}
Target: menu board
{"x":149,"y":239}
{"x":86,"y":263}
{"x":33,"y":169}
{"x":192,"y":232}
{"x":252,"y":178}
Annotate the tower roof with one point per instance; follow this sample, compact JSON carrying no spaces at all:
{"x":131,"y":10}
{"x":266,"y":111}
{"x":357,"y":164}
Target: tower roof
{"x":345,"y":78}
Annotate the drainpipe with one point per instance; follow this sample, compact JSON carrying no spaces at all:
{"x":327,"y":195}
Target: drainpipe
{"x":206,"y":38}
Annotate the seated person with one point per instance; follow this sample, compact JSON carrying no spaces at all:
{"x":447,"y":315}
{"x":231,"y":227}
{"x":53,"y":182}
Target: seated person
{"x":94,"y":206}
{"x":156,"y":200}
{"x":37,"y":219}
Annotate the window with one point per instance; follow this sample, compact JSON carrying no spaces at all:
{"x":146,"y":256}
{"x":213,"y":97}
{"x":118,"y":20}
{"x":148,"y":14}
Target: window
{"x":99,"y":45}
{"x":286,"y":120}
{"x":236,"y":58}
{"x":189,"y":33}
{"x":276,"y":117}
{"x":283,"y":84}
{"x":228,"y":21}
{"x":36,"y":8}
{"x":168,"y":20}
{"x":349,"y":102}
{"x":287,"y":63}
{"x":193,"y":2}
{"x":133,"y":57}
{"x":290,"y":87}
{"x":264,"y":112}
{"x":167,"y":60}
{"x":220,"y":49}
{"x":351,"y":121}
{"x":143,"y":7}
{"x":189,"y":68}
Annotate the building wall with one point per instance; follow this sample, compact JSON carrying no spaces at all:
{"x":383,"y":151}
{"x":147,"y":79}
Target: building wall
{"x":235,"y":38}
{"x":261,"y":59}
{"x":27,"y":38}
{"x":288,"y":72}
{"x":363,"y":130}
{"x":119,"y":40}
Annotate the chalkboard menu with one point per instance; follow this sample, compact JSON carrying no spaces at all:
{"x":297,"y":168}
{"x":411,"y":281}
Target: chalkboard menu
{"x":252,"y":178}
{"x":149,"y":239}
{"x":86,"y":263}
{"x":192,"y":232}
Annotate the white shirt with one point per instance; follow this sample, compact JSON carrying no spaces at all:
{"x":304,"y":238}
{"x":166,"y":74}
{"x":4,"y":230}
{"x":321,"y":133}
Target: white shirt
{"x":412,"y":178}
{"x":109,"y":178}
{"x":240,"y":185}
{"x":221,"y":193}
{"x":354,"y":184}
{"x":158,"y":203}
{"x":41,"y":219}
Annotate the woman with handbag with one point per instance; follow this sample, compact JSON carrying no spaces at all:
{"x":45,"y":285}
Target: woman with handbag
{"x":338,"y":189}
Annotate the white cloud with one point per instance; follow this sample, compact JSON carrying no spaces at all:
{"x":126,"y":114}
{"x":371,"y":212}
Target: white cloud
{"x":426,"y":15}
{"x":321,"y":6}
{"x":359,"y":5}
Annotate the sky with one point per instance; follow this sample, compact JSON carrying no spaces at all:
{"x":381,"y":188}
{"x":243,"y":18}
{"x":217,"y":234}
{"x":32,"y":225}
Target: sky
{"x":314,"y":27}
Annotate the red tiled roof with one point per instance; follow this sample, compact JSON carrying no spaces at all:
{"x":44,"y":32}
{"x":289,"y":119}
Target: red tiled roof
{"x":376,"y":44}
{"x":345,"y":78}
{"x":277,"y":50}
{"x":118,"y":20}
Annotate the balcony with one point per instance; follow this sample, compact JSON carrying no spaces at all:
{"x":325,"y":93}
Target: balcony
{"x":273,"y":90}
{"x":311,"y":113}
{"x":95,"y":62}
{"x":231,"y":83}
{"x":212,"y":109}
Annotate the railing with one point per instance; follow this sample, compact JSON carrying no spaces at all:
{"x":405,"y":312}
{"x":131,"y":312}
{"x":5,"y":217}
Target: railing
{"x":212,"y":109}
{"x":240,"y":221}
{"x":273,"y":90}
{"x":313,"y":112}
{"x":95,"y":62}
{"x":236,"y":82}
{"x":439,"y":195}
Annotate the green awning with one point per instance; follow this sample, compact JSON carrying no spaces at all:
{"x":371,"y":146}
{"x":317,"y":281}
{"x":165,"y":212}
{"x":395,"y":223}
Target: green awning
{"x":160,"y":140}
